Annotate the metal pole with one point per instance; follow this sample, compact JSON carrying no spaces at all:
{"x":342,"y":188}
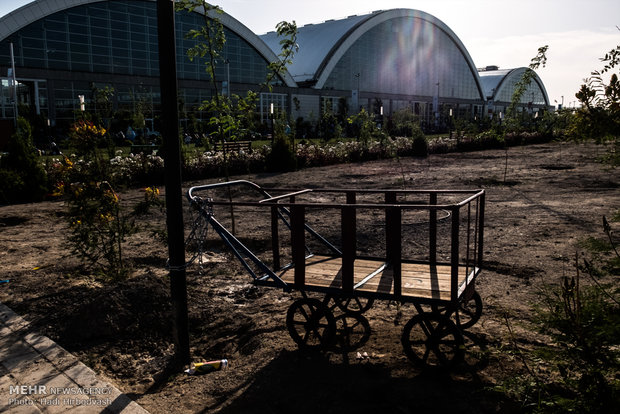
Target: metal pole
{"x":14,"y":79}
{"x":432,"y":231}
{"x":454,"y":255}
{"x":227,"y":77}
{"x":172,"y":166}
{"x":298,"y":244}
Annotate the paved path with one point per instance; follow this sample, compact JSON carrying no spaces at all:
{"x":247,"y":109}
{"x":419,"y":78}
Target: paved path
{"x":39,"y":376}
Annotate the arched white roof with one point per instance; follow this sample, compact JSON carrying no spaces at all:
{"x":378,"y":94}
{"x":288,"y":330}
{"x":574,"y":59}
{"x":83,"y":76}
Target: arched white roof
{"x":321,"y":46}
{"x":490,"y":80}
{"x":315,"y":41}
{"x":38,"y":9}
{"x":495,"y":81}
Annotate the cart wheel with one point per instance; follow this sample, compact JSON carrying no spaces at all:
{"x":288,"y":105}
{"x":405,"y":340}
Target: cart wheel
{"x":354,"y":305}
{"x":310,"y":324}
{"x":469,"y":311}
{"x":433,"y":340}
{"x":352,"y":332}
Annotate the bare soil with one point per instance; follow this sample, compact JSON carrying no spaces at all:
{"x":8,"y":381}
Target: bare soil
{"x":552,"y":196}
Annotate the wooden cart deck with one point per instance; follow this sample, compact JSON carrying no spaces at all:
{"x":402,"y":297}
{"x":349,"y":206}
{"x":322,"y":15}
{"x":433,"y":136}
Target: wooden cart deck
{"x":344,"y":268}
{"x":419,"y":280}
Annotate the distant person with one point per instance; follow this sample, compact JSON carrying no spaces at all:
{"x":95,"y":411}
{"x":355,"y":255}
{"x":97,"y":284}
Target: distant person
{"x":131,"y":134}
{"x":54,"y":150}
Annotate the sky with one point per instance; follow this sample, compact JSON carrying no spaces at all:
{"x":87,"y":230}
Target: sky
{"x":506,"y":34}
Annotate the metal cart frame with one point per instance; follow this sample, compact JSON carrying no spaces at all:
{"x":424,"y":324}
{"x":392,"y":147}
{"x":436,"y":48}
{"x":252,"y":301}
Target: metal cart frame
{"x":353,"y":281}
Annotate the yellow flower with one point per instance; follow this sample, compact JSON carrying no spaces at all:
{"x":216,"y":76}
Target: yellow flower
{"x":111,"y":196}
{"x":151,"y":193}
{"x":78,"y":189}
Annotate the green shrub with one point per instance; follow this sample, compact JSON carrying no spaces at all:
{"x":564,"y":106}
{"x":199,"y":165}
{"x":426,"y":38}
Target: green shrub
{"x":23,"y":176}
{"x":582,"y":318}
{"x":420,"y":144}
{"x":281,"y":158}
{"x":11,"y":186}
{"x":99,"y":225}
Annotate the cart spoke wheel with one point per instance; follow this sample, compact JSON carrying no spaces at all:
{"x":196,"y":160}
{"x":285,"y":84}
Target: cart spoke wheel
{"x":469,"y":311}
{"x":433,"y":340}
{"x":310,"y":324}
{"x":354,"y":305}
{"x":352,"y":332}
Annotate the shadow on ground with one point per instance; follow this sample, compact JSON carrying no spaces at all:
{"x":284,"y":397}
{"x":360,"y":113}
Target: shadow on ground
{"x":302,"y":383}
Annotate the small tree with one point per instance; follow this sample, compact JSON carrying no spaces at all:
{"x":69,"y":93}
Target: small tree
{"x":98,"y":224}
{"x":599,"y":115}
{"x":329,"y":127}
{"x":227,"y":115}
{"x":513,"y":120}
{"x":22,"y":177}
{"x":364,"y":126}
{"x":282,"y":155}
{"x":102,"y":99}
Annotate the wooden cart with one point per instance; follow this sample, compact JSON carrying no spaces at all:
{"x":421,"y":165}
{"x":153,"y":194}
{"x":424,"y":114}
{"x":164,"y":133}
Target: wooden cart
{"x":364,"y":253}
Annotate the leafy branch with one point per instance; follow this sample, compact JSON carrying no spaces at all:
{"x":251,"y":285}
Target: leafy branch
{"x":288,"y":48}
{"x":526,"y":79}
{"x":210,"y":38}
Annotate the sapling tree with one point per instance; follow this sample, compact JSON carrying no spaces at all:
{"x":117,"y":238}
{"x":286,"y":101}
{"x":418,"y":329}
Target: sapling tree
{"x":228,"y":114}
{"x":524,"y":83}
{"x":22,"y":177}
{"x":514,"y":117}
{"x":98,"y":223}
{"x":599,"y":115}
{"x":581,"y":315}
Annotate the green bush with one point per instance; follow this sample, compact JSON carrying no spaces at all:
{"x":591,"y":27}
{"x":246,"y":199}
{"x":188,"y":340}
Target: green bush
{"x":99,"y":225}
{"x":11,"y":186}
{"x":420,"y":146}
{"x":282,"y":157}
{"x":329,"y":127}
{"x":23,"y":176}
{"x":582,"y":318}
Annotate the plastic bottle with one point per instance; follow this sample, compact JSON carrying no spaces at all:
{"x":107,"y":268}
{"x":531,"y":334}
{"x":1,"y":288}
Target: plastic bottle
{"x":206,"y":367}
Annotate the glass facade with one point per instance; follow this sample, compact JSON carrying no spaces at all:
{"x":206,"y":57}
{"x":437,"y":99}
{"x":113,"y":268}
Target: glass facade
{"x":272,"y":103}
{"x":408,"y":56}
{"x":6,"y":99}
{"x":533,"y":93}
{"x":406,"y":61}
{"x":30,"y":92}
{"x":245,"y":64}
{"x":120,"y":38}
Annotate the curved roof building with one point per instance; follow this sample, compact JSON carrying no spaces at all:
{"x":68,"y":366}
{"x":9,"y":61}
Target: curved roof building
{"x":397,"y":51}
{"x":64,"y":48}
{"x":398,"y":57}
{"x":499,"y":86}
{"x":383,"y":61}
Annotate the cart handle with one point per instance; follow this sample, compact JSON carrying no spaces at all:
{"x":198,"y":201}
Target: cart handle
{"x":307,"y":190}
{"x":190,"y":193}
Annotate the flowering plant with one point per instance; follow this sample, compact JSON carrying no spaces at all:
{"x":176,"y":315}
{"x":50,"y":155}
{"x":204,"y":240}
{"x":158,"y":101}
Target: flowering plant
{"x":86,"y":137}
{"x":97,"y":227}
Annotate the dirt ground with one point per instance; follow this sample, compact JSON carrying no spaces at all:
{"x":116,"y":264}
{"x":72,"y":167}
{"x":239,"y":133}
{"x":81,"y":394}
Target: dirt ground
{"x":554,"y":195}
